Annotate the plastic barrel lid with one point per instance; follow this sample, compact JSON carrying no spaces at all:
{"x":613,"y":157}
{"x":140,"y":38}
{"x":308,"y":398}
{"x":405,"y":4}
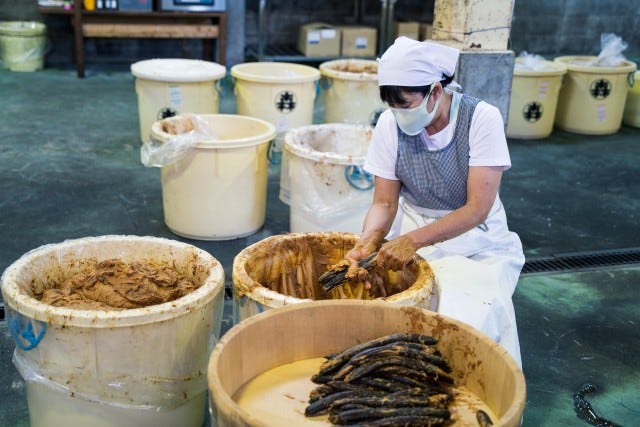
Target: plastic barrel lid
{"x":22,"y":28}
{"x":178,"y":70}
{"x":275,"y":72}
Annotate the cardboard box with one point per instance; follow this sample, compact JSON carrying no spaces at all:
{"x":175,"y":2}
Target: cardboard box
{"x":409,"y":29}
{"x":358,"y":40}
{"x":426,"y":31}
{"x":319,"y":39}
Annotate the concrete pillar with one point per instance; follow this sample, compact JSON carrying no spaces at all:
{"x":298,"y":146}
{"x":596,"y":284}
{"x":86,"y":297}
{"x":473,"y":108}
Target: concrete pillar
{"x":480,"y":29}
{"x":479,"y":24}
{"x":487,"y":76}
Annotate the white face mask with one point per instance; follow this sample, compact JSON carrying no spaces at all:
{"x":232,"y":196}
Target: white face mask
{"x":412,"y":120}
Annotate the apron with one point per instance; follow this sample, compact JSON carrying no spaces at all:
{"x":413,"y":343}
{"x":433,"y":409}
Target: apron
{"x":475,"y":273}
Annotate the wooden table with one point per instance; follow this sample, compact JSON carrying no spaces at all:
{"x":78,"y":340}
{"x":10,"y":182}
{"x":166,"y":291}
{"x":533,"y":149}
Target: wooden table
{"x":153,"y":24}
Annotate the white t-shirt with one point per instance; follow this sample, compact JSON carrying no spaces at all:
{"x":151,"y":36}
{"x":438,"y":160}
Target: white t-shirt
{"x":487,"y":142}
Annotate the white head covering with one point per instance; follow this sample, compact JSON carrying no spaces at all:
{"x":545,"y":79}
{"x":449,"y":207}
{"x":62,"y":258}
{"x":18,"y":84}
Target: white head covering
{"x":408,"y":62}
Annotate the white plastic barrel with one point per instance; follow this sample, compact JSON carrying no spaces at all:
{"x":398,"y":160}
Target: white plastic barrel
{"x":281,"y":93}
{"x":168,"y":87}
{"x":631,"y":115}
{"x":534,"y":98}
{"x":218,"y":190}
{"x":22,"y":45}
{"x":350,"y":90}
{"x":329,"y":189}
{"x":592,"y":98}
{"x":142,"y":367}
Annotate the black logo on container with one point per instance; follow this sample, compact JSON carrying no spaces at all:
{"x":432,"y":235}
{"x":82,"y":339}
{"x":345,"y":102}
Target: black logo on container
{"x":286,"y":101}
{"x":166,"y":112}
{"x":600,"y":89}
{"x":532,"y":112}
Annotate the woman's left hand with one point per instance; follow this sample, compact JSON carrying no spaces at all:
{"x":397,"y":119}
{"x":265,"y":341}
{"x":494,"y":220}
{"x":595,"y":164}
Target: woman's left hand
{"x":396,"y":253}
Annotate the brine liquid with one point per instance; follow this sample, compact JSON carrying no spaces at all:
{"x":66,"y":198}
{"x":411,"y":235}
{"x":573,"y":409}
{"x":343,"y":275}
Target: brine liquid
{"x":280,"y":395}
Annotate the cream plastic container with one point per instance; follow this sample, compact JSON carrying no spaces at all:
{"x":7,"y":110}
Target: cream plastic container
{"x":329,"y":190}
{"x":281,"y":93}
{"x":136,"y":367}
{"x":168,"y":87}
{"x":534,"y":98}
{"x":631,"y":116}
{"x":218,"y":191}
{"x":22,"y":45}
{"x":351,"y":93}
{"x":592,"y":99}
{"x":260,"y":273}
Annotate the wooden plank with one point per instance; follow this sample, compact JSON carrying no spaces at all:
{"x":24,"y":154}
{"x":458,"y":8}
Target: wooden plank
{"x":150,"y":30}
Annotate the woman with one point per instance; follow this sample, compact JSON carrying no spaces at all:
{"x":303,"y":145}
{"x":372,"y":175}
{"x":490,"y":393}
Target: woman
{"x":438,"y":157}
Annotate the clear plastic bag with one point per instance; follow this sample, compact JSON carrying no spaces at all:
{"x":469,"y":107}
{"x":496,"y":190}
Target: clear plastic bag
{"x":530,"y":61}
{"x":611,"y":47}
{"x":187,"y":130}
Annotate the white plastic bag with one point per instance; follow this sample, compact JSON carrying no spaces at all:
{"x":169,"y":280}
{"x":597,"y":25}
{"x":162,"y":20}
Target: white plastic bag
{"x":611,"y":51}
{"x":530,"y":61}
{"x":155,"y":153}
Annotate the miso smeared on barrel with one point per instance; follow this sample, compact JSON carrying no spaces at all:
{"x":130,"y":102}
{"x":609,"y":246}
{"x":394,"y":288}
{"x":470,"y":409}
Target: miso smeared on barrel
{"x":399,"y":379}
{"x":115,"y":285}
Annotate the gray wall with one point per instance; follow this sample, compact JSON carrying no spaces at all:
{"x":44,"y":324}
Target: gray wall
{"x":573,"y":27}
{"x":546,"y":27}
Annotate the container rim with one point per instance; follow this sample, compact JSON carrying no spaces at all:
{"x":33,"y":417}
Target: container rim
{"x":628,"y":66}
{"x":327,"y":70}
{"x":22,"y":28}
{"x":264,"y":137}
{"x":30,"y":307}
{"x":555,"y":68}
{"x":511,"y":417}
{"x":178,"y":70}
{"x":295,"y":134}
{"x":265,"y":72}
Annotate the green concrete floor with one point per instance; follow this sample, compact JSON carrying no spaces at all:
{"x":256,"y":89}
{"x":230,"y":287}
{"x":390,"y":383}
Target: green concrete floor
{"x":70,"y":168}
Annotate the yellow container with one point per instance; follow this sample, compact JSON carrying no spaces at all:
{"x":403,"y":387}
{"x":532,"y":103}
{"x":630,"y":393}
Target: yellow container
{"x":218,"y":191}
{"x":142,"y":367}
{"x":168,"y":87}
{"x":293,"y":337}
{"x":22,"y":45}
{"x":281,"y":93}
{"x":631,"y":116}
{"x":351,"y":93}
{"x":592,"y":99}
{"x":534,"y":97}
{"x":329,"y":190}
{"x":283,"y":270}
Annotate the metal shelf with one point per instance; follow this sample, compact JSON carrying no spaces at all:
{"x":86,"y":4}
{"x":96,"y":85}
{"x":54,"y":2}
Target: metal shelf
{"x":287,"y":54}
{"x":265,"y":51}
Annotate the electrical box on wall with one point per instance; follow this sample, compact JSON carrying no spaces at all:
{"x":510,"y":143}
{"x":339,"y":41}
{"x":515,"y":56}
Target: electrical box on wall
{"x":194,"y":5}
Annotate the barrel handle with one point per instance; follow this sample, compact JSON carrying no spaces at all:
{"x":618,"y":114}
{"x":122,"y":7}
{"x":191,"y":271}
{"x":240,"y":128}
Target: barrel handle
{"x":233,"y":84}
{"x":274,"y":155}
{"x":326,"y":83}
{"x":358,"y":178}
{"x":23,"y":334}
{"x":631,"y":78}
{"x":219,"y":88}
